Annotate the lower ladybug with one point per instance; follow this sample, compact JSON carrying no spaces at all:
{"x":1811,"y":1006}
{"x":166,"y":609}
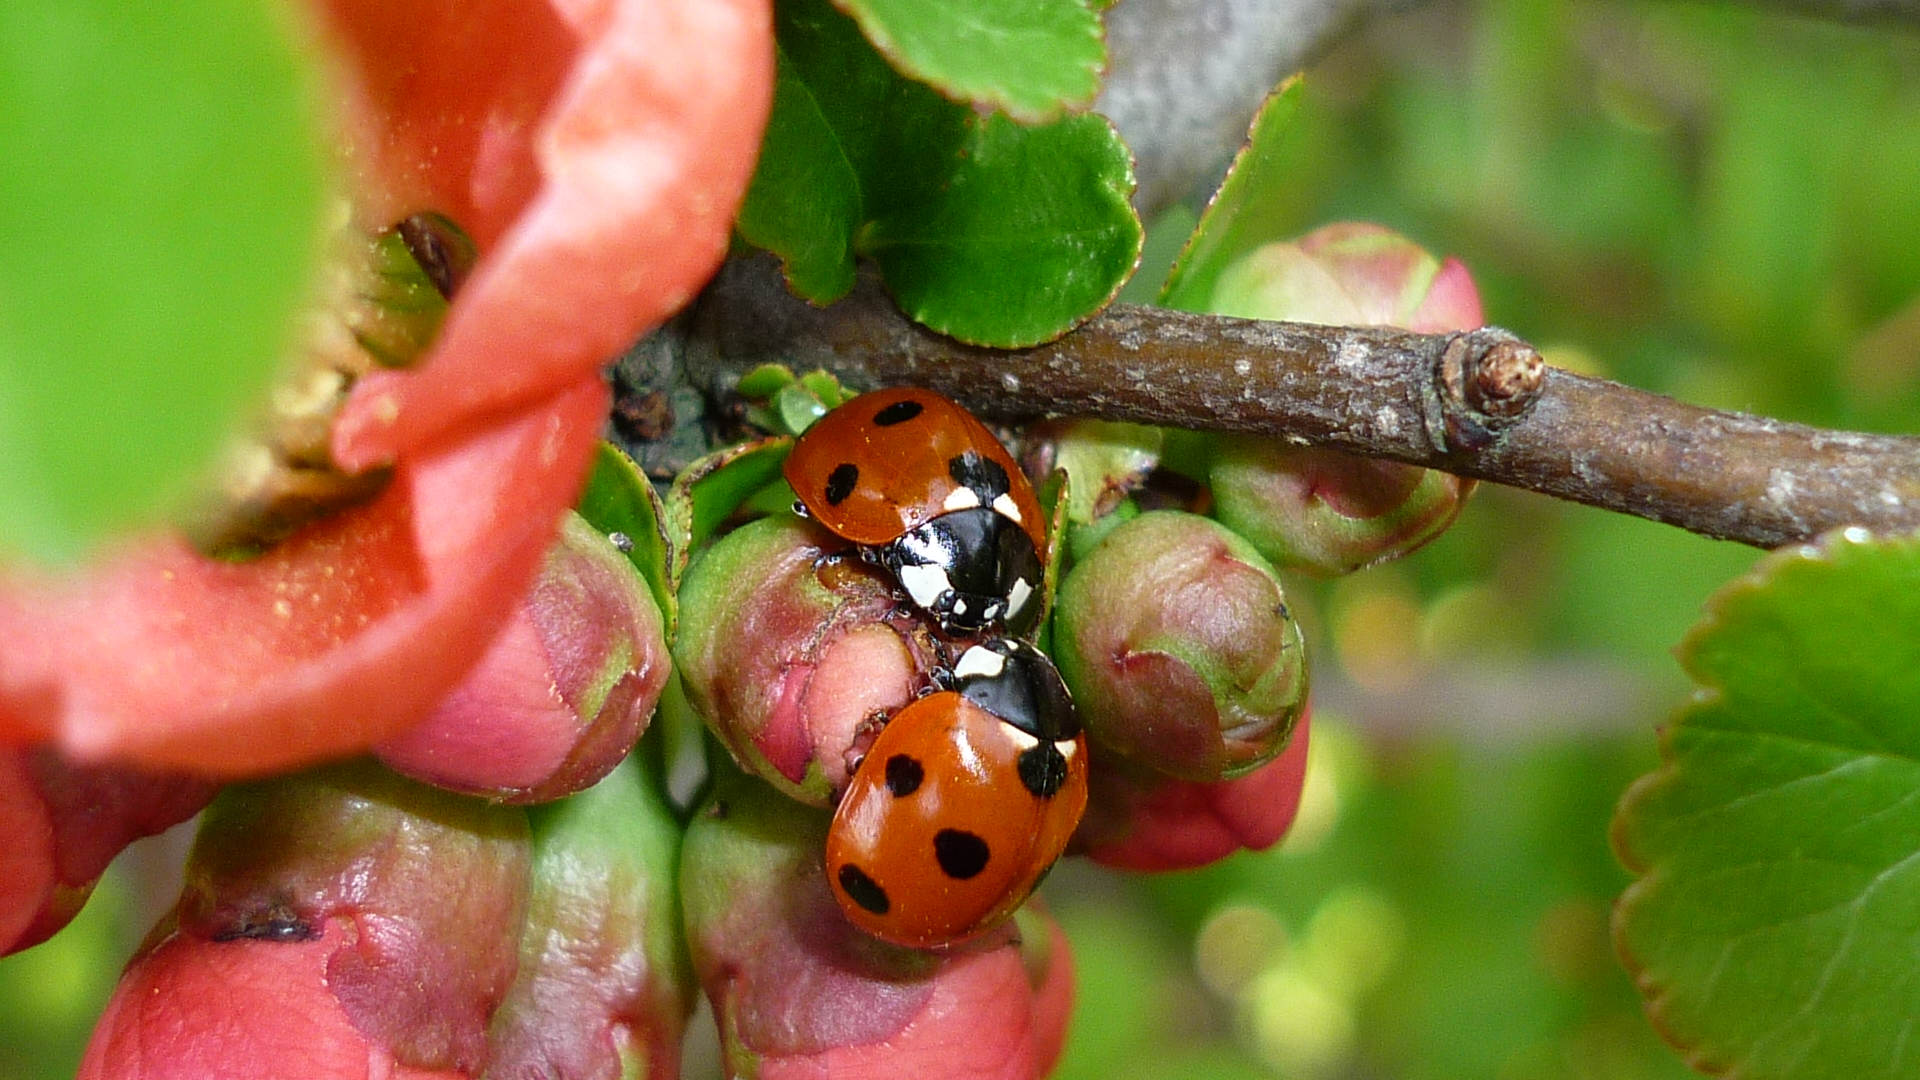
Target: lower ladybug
{"x":927,"y":492}
{"x":963,"y":803}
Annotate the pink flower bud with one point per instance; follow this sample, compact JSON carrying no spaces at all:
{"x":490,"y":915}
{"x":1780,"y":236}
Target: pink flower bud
{"x":1321,"y":511}
{"x":1137,"y":821}
{"x":1350,"y":274}
{"x":564,"y":691}
{"x":194,"y":1009}
{"x":61,"y":824}
{"x":332,"y":922}
{"x":800,"y":993}
{"x":788,"y":653}
{"x":1174,"y":636}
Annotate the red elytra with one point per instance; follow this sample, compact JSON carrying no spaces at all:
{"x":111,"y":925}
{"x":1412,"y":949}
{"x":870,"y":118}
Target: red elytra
{"x":958,"y":810}
{"x":929,"y":493}
{"x":900,"y":444}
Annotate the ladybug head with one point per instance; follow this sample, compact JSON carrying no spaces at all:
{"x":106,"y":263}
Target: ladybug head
{"x":972,"y":570}
{"x":1019,"y":684}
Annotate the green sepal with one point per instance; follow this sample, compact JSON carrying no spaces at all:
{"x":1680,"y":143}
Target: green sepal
{"x":618,"y":498}
{"x":1242,"y":214}
{"x":711,"y":490}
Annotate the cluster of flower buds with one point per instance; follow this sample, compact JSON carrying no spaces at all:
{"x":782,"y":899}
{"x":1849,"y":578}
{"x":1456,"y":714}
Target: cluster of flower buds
{"x":397,"y":928}
{"x":1172,"y":627}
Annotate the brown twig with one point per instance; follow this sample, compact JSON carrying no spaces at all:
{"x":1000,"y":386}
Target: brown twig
{"x":1479,"y":404}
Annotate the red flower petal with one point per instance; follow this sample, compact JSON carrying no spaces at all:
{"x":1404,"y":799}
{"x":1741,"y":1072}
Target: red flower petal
{"x":27,"y":875}
{"x":328,"y":643}
{"x":596,"y":149}
{"x":640,"y":159}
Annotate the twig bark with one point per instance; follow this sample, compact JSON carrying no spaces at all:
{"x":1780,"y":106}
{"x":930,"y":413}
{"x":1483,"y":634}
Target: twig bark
{"x":1479,"y":404}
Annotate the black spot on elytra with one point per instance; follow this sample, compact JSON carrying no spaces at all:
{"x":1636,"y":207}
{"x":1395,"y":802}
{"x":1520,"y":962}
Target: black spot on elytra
{"x":1042,"y":769}
{"x":904,"y":775}
{"x":840,"y":482}
{"x":897,"y":413}
{"x":865,"y":891}
{"x":275,"y":922}
{"x":983,"y":475}
{"x":960,"y":854}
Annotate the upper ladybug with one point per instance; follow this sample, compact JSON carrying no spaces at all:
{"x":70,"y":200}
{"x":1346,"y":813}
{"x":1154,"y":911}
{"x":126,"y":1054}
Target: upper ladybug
{"x":928,"y":492}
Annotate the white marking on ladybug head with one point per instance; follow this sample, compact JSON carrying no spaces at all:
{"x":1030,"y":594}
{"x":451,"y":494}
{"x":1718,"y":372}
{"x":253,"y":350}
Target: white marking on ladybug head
{"x":926,"y":584}
{"x":1019,"y":738}
{"x":1007,"y":507}
{"x":961,"y":498}
{"x":981,"y":661}
{"x":1017,"y":597}
{"x":1067,"y":747}
{"x":923,"y":546}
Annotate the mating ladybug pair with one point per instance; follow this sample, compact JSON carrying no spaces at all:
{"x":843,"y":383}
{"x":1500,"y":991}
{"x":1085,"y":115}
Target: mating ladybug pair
{"x":969,"y":794}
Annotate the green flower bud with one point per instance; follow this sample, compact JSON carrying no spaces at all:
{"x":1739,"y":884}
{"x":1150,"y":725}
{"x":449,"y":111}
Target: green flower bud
{"x":420,"y":892}
{"x":1174,"y":636}
{"x":604,"y":987}
{"x":1322,"y":512}
{"x":787,"y":653}
{"x":1315,"y":510}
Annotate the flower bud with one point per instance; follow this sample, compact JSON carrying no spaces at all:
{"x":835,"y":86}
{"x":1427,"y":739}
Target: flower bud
{"x":1138,"y":821}
{"x":604,"y":987}
{"x":564,"y":691}
{"x":343,"y":919}
{"x":61,"y":824}
{"x":1350,"y":274}
{"x":799,"y":992}
{"x":1174,"y":636}
{"x":1321,"y":511}
{"x":787,"y":651}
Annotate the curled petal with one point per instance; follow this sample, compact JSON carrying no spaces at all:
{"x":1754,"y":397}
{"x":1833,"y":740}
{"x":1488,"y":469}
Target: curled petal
{"x":328,"y":643}
{"x":595,"y":149}
{"x":61,"y":824}
{"x":598,"y":150}
{"x":1146,"y":823}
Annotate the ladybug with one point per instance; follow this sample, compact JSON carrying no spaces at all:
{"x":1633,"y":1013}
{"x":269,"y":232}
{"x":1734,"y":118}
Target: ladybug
{"x":963,"y":803}
{"x":926,"y":491}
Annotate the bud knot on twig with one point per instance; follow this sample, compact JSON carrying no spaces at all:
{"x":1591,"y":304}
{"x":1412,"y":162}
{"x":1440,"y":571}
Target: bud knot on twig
{"x":1487,"y":379}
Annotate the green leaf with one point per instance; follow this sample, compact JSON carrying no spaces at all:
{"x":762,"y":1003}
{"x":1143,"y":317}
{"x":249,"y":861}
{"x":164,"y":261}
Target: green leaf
{"x":1242,"y":215}
{"x":992,"y":232}
{"x":1032,"y":59}
{"x":161,"y":191}
{"x":1775,"y":922}
{"x":804,"y":202}
{"x":1031,"y":233}
{"x":620,"y":499}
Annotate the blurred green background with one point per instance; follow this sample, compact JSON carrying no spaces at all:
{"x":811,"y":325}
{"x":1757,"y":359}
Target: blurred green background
{"x":1704,"y":201}
{"x":1708,"y":202}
